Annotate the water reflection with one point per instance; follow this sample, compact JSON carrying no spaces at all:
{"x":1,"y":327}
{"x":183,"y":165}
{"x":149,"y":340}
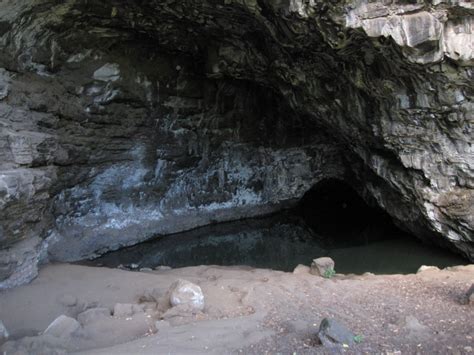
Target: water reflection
{"x":281,"y":242}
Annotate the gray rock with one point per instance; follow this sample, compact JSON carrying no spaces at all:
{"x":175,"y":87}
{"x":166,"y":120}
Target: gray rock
{"x":322,"y":267}
{"x":92,"y":315}
{"x":333,"y":333}
{"x":63,"y":327}
{"x":3,"y":333}
{"x":185,"y":293}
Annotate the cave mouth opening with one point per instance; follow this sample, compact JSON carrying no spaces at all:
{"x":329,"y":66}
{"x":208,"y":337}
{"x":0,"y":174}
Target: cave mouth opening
{"x":330,"y":220}
{"x":337,"y":213}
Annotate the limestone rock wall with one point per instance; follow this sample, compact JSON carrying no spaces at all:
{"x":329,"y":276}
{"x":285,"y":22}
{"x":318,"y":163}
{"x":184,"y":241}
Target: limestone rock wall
{"x":123,"y":120}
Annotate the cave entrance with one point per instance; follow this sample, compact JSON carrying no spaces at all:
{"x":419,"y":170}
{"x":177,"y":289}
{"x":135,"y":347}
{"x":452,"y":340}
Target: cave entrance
{"x":336,"y":212}
{"x":330,"y":220}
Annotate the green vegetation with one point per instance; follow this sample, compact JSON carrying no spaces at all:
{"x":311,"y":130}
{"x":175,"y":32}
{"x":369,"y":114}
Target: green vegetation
{"x":329,"y":273}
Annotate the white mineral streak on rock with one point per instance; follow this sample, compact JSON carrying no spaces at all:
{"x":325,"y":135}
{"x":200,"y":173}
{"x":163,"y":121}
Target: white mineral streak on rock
{"x":107,"y":72}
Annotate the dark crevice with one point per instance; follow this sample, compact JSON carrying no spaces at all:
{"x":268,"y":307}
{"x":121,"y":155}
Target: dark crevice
{"x":333,"y":209}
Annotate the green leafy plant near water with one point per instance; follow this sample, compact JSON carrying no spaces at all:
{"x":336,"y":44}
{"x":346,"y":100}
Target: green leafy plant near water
{"x":329,"y":273}
{"x":358,"y":339}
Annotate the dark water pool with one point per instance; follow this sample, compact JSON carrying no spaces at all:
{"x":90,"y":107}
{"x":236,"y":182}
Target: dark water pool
{"x":281,"y":242}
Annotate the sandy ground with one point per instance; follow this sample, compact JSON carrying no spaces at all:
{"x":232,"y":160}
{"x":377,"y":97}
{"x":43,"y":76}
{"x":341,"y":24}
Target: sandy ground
{"x":250,"y":311}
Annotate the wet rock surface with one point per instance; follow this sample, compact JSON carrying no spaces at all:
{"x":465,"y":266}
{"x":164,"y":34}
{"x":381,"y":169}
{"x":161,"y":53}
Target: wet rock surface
{"x":123,"y":121}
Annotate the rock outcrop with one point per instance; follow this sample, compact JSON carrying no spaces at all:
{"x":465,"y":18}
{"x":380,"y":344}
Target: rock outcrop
{"x":123,"y":120}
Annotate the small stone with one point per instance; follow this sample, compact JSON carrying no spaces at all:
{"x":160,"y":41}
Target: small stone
{"x":3,"y":333}
{"x":322,"y":266}
{"x":427,"y":268}
{"x":186,"y":293}
{"x":301,"y":269}
{"x":127,"y":309}
{"x":92,"y":315}
{"x":67,"y":300}
{"x":62,"y":327}
{"x":332,"y":333}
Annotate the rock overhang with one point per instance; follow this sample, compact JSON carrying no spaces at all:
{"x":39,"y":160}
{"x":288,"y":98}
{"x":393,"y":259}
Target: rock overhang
{"x":162,"y":116}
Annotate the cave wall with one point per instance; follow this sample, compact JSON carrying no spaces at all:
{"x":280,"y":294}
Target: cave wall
{"x":122,"y":120}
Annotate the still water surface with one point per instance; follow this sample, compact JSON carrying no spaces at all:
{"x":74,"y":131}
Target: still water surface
{"x":281,"y":242}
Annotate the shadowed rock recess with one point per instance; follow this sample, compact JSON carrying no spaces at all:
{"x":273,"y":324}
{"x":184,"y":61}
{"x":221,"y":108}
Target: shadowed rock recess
{"x":121,"y":120}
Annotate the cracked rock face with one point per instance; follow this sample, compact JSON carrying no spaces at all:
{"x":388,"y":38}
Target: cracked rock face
{"x":123,"y":120}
